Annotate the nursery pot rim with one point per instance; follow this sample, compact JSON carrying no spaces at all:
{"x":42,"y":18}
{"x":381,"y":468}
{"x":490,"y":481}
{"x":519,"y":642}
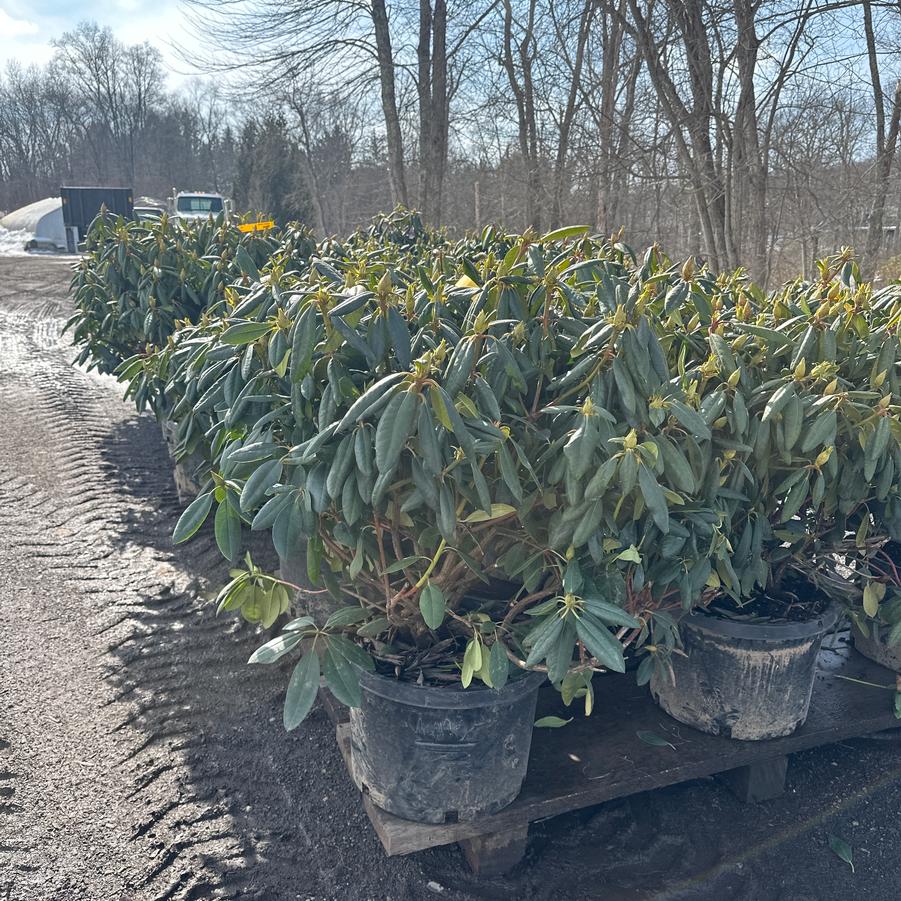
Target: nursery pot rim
{"x":765,"y":632}
{"x":449,"y":697}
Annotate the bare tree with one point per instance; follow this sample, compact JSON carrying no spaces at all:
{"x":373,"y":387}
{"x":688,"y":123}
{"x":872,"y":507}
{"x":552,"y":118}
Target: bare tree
{"x":887,"y":116}
{"x":753,"y":132}
{"x":518,"y":61}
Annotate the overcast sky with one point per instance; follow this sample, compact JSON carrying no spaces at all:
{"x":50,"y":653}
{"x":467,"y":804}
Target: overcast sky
{"x":28,"y":26}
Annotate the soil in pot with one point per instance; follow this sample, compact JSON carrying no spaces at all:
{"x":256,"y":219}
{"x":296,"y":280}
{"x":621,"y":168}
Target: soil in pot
{"x":876,"y":649}
{"x":748,"y":673}
{"x":439,"y":754}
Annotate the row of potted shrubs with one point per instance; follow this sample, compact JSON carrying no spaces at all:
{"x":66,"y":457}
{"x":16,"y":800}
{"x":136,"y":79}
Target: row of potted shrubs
{"x":491,"y":463}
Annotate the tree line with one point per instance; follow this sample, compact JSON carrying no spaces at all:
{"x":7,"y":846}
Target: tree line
{"x":760,"y":133}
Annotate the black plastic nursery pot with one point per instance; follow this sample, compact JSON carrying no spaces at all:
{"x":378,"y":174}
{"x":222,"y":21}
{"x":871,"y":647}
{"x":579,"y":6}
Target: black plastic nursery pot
{"x":874,"y":647}
{"x":439,"y":754}
{"x":743,"y":680}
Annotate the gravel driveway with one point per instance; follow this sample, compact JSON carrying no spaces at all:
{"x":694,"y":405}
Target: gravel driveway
{"x":141,"y":759}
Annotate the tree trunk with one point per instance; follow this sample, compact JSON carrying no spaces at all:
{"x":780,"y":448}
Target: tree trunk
{"x":525,"y":106}
{"x":569,"y":113}
{"x":747,"y":158}
{"x":385,"y":57}
{"x":431,"y":84}
{"x":440,"y":110}
{"x":886,"y":142}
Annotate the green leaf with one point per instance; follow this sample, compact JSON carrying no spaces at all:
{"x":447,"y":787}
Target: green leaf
{"x":821,"y":432}
{"x":472,"y":661}
{"x":841,"y":849}
{"x":245,"y":332}
{"x":400,"y":337}
{"x":394,"y":428}
{"x":769,"y":336}
{"x":250,"y":453}
{"x":353,"y":653}
{"x":602,"y":478}
{"x":369,"y":398}
{"x":403,"y":563}
{"x":690,"y":419}
{"x":625,"y":385}
{"x":645,"y":670}
{"x":600,"y":643}
{"x":303,"y":343}
{"x":452,"y":420}
{"x":630,"y":555}
{"x":269,"y":512}
{"x":508,"y":472}
{"x":275,"y":649}
{"x":193,"y":517}
{"x":589,"y":523}
{"x":374,"y":627}
{"x":723,"y":353}
{"x":260,"y":481}
{"x":302,"y":690}
{"x":542,"y":637}
{"x":781,"y":396}
{"x":497,"y":511}
{"x":610,"y":613}
{"x":432,"y":605}
{"x":675,"y":465}
{"x":314,"y":558}
{"x":245,"y":262}
{"x":653,"y":498}
{"x":550,"y":722}
{"x":498,"y":665}
{"x":795,"y":499}
{"x":873,"y":594}
{"x":342,"y":677}
{"x":653,"y":739}
{"x":566,"y":232}
{"x":228,"y":531}
{"x":572,"y":577}
{"x":270,"y":608}
{"x":346,"y":616}
{"x":560,"y":653}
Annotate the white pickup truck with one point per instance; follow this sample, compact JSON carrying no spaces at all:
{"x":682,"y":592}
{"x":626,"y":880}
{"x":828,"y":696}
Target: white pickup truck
{"x":194,"y":205}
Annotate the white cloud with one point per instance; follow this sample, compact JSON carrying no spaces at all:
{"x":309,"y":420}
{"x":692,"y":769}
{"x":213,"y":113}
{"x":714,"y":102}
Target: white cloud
{"x":15,"y":28}
{"x":28,"y":26}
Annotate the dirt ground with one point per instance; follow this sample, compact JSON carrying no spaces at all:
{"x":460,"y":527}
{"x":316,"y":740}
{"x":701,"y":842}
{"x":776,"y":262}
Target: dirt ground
{"x":140,"y":758}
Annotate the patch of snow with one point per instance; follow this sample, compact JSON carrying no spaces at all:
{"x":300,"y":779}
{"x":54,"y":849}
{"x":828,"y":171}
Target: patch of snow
{"x":12,"y":243}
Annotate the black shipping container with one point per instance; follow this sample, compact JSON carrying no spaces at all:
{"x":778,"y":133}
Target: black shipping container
{"x":81,"y":206}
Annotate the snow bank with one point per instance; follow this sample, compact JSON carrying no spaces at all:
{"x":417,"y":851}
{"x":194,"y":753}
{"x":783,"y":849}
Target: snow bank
{"x":12,"y":243}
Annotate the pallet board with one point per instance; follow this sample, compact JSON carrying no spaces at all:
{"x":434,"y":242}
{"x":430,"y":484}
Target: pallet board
{"x":598,"y":758}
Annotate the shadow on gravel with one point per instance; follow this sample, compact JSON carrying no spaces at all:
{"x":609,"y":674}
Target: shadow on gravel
{"x":136,"y":458}
{"x":140,"y":436}
{"x":241,"y":809}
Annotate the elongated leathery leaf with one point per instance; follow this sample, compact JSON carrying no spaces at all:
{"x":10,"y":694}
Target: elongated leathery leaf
{"x":193,"y":517}
{"x":302,"y":690}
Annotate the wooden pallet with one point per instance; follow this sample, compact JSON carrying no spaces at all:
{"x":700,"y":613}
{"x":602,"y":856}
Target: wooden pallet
{"x":601,"y":757}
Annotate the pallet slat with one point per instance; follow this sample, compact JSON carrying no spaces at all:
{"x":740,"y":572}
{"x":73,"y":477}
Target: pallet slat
{"x":599,"y":758}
